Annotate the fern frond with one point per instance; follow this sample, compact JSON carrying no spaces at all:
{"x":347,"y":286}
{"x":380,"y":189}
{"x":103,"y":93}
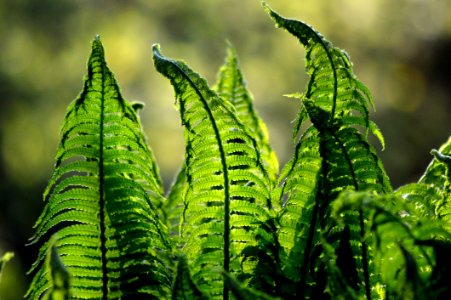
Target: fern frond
{"x":227,"y":196}
{"x":338,"y":106}
{"x":408,"y":247}
{"x":101,"y":201}
{"x":333,"y":87}
{"x":231,"y":86}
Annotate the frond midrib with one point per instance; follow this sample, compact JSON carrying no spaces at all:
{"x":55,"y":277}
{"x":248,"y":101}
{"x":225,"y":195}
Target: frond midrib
{"x":102,"y":189}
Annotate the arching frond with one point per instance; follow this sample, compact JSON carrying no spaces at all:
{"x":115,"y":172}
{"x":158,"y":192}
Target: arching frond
{"x":333,"y":87}
{"x":338,"y":106}
{"x":101,"y":201}
{"x":230,"y":86}
{"x":227,"y":196}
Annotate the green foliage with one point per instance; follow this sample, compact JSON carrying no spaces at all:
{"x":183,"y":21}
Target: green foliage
{"x":328,"y":226}
{"x":3,"y":260}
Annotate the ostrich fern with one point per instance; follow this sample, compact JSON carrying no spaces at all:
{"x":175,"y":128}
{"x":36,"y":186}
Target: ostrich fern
{"x":329,"y":226}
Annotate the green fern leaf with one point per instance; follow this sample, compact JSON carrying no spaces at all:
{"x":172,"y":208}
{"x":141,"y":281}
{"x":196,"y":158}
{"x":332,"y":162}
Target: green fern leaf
{"x":338,"y":106}
{"x":231,"y":86}
{"x":227,"y":196}
{"x":409,"y":247}
{"x":101,"y":201}
{"x":333,"y":86}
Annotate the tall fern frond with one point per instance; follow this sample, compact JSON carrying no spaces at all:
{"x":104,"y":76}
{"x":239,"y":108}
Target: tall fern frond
{"x":101,"y":201}
{"x":231,"y":86}
{"x":227,"y":196}
{"x":332,"y":86}
{"x":338,"y":106}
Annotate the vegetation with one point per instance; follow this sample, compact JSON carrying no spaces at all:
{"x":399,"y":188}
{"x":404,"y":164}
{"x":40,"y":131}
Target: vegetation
{"x":328,"y":226}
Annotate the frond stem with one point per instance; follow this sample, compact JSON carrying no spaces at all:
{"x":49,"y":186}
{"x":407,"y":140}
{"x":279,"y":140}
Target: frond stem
{"x":102,"y":194}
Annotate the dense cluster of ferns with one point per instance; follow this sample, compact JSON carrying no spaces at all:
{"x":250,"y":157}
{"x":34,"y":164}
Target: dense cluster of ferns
{"x":327,"y":226}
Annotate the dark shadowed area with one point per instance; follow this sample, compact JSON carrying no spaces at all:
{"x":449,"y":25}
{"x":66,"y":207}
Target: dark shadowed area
{"x":401,"y":50}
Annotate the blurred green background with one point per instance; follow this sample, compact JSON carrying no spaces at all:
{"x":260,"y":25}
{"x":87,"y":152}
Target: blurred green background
{"x":400,"y":49}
